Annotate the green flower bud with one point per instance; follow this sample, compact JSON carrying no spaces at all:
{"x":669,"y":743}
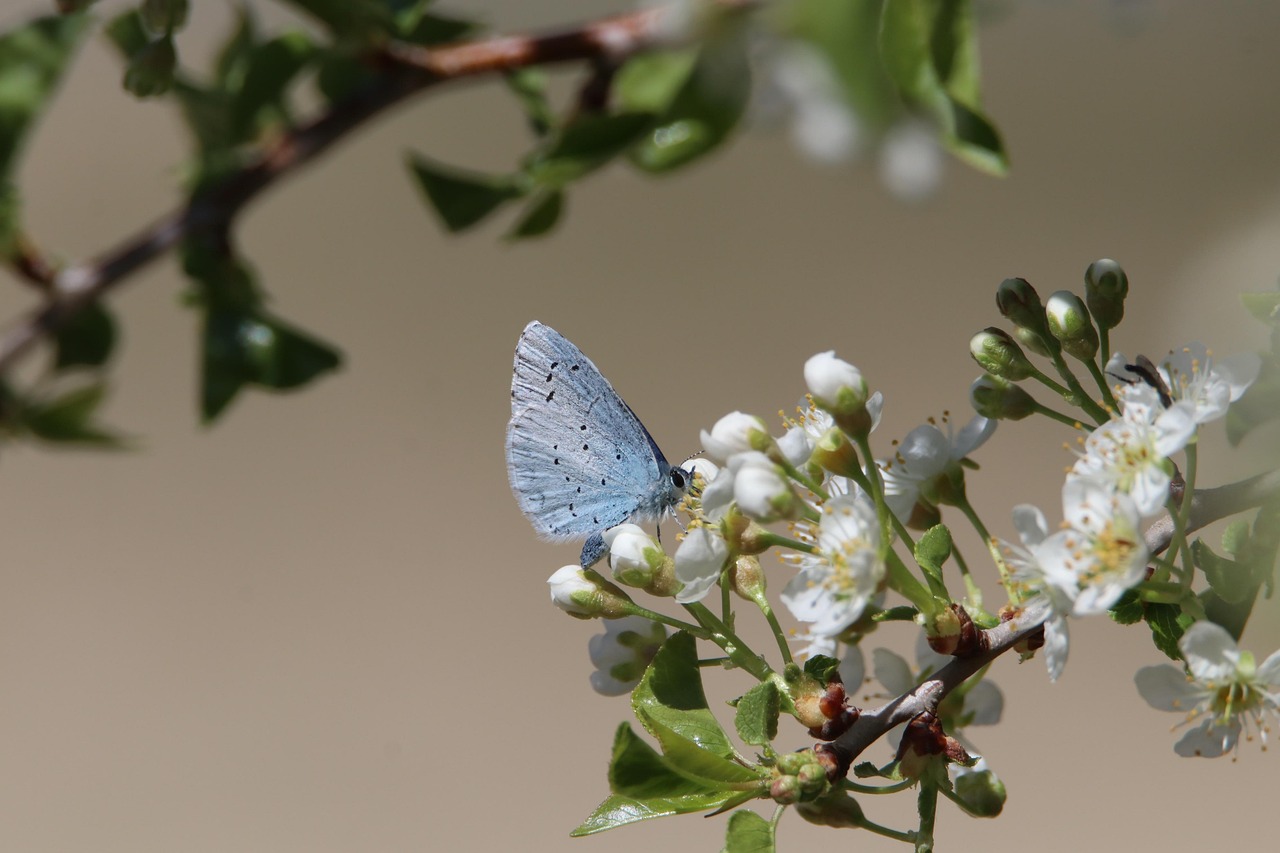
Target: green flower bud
{"x":993,"y":397}
{"x":837,"y":809}
{"x":981,"y":791}
{"x":1105,"y":289}
{"x":747,"y":577}
{"x":586,"y":595}
{"x":150,"y":70}
{"x":1019,"y":302}
{"x":1034,"y":342}
{"x":1069,"y":322}
{"x":998,"y":353}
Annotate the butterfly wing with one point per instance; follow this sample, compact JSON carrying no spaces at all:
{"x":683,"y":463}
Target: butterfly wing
{"x":578,"y":459}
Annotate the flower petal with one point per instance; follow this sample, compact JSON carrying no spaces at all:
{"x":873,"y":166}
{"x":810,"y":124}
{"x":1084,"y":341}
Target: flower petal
{"x":1166,"y":688}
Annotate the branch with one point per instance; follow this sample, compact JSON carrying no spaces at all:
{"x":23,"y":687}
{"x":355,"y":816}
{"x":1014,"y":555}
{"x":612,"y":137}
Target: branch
{"x":405,"y":71}
{"x":1208,"y":505}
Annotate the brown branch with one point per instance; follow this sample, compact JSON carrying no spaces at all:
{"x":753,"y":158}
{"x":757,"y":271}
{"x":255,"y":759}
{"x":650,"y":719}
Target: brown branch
{"x":404,"y":70}
{"x":1208,"y":506}
{"x":31,"y":265}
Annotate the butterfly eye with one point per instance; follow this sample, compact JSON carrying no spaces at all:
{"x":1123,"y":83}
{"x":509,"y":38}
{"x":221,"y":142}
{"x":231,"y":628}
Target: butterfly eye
{"x":677,"y":478}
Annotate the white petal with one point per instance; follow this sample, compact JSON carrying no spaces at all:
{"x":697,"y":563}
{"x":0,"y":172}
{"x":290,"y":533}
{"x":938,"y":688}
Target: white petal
{"x":1056,"y":640}
{"x":699,"y":560}
{"x":985,"y":702}
{"x":795,"y":446}
{"x":853,"y":669}
{"x":1030,"y":523}
{"x":1269,"y":672}
{"x":1240,"y":371}
{"x":893,"y":672}
{"x":1208,"y":740}
{"x":973,"y":435}
{"x":1166,"y":688}
{"x":1210,"y":652}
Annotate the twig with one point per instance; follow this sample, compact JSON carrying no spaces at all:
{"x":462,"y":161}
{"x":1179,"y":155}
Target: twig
{"x":405,"y":70}
{"x":1208,"y":505}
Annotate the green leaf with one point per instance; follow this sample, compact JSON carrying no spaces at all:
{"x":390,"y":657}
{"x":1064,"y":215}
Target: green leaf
{"x":1235,"y":538}
{"x":32,"y":59}
{"x":650,"y":82}
{"x":671,"y":694}
{"x":637,"y":770}
{"x":69,"y":418}
{"x":584,"y":145}
{"x":707,"y":107}
{"x":1263,"y":306}
{"x":271,"y":67}
{"x":1167,"y":622}
{"x":695,"y":763}
{"x":358,"y":20}
{"x":1128,"y":609}
{"x":1229,"y":579}
{"x":462,"y":198}
{"x":150,"y":70}
{"x":253,"y":348}
{"x":845,"y":34}
{"x":1260,"y":404}
{"x":87,"y":338}
{"x":618,"y":810}
{"x":340,"y":74}
{"x":748,"y":833}
{"x":929,"y":48}
{"x":529,"y":85}
{"x":822,"y":668}
{"x":540,"y":216}
{"x":437,"y":29}
{"x":933,"y":550}
{"x":757,"y":716}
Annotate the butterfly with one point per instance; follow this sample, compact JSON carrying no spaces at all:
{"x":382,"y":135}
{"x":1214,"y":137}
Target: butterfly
{"x":578,"y":458}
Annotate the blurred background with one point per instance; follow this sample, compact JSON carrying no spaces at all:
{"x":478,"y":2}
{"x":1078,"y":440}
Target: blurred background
{"x":322,"y":624}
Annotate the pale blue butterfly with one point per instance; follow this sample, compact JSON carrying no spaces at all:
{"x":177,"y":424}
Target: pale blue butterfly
{"x":578,"y":458}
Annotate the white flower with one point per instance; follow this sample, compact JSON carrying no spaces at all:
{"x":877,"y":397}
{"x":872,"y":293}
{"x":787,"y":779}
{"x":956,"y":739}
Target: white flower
{"x":836,"y":583}
{"x":570,"y":588}
{"x":1130,"y":454}
{"x":1225,"y":692}
{"x":911,"y":161}
{"x":634,"y":555}
{"x":703,"y":466}
{"x":796,"y":446}
{"x":622,"y":652}
{"x":1193,"y":376}
{"x":699,"y":561}
{"x":924,"y":454}
{"x":717,"y":495}
{"x":836,"y":385}
{"x":759,"y":488}
{"x":732,"y":434}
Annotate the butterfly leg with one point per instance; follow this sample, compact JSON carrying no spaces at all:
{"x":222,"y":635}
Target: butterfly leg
{"x":592,"y":550}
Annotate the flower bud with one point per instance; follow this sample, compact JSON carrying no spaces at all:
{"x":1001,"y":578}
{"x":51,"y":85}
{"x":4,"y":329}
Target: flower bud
{"x":760,"y":489}
{"x":698,"y":563}
{"x":634,"y":556}
{"x":995,"y":398}
{"x":1034,"y":342}
{"x":1105,"y":289}
{"x":150,"y":70}
{"x":747,"y":577}
{"x":836,"y":453}
{"x":1020,"y":304}
{"x":838,"y":810}
{"x":980,"y":790}
{"x":836,"y":385}
{"x":735,"y":433}
{"x":795,"y":446}
{"x":998,"y":353}
{"x":1069,"y":322}
{"x":785,"y":790}
{"x":586,"y":597}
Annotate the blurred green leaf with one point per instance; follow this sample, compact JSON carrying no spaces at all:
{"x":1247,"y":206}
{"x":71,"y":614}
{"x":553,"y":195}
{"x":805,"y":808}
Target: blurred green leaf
{"x":1265,"y":307}
{"x":671,"y":694}
{"x":272,"y":66}
{"x":757,"y":716}
{"x":1229,"y":579}
{"x":650,"y":82}
{"x":32,"y":59}
{"x":748,"y":833}
{"x":462,"y":198}
{"x":707,"y":107}
{"x":540,"y":216}
{"x":339,"y":74}
{"x":150,"y":70}
{"x":584,"y":145}
{"x":162,"y":17}
{"x":929,"y":48}
{"x":86,"y":339}
{"x":1259,"y":405}
{"x":530,"y":88}
{"x":437,"y":29}
{"x":357,"y":20}
{"x":1128,"y":609}
{"x":846,"y":35}
{"x":69,"y":418}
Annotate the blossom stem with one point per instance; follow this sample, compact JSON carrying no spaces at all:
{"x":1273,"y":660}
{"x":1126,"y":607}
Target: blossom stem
{"x":971,"y":588}
{"x":739,"y":652}
{"x":803,"y":479}
{"x":875,"y":487}
{"x":1001,"y":566}
{"x":927,"y":807}
{"x":1104,"y":344}
{"x":1182,"y":512}
{"x":898,"y":527}
{"x":1077,"y":395}
{"x":1060,"y":417}
{"x":1099,"y":377}
{"x":671,"y":622}
{"x":905,"y":583}
{"x":897,"y":835}
{"x":778,"y":634}
{"x":782,"y":541}
{"x":878,"y":789}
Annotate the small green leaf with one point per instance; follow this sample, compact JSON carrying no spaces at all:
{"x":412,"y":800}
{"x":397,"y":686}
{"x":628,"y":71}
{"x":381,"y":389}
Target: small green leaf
{"x":431,"y":29}
{"x":540,"y":216}
{"x":529,"y":85}
{"x":1229,"y":579}
{"x":650,"y":82}
{"x":618,"y":810}
{"x":69,"y":418}
{"x":349,"y":19}
{"x":87,"y":338}
{"x":695,"y":763}
{"x":32,"y":59}
{"x":748,"y":833}
{"x":845,"y":34}
{"x":706,"y":109}
{"x":462,"y":198}
{"x":821,"y":668}
{"x":933,"y":550}
{"x":757,"y":716}
{"x":1128,"y":609}
{"x":637,"y":770}
{"x":340,"y":74}
{"x":1167,"y":622}
{"x":271,"y":67}
{"x":584,"y":145}
{"x":671,"y":693}
{"x":1235,"y":538}
{"x":1263,"y":306}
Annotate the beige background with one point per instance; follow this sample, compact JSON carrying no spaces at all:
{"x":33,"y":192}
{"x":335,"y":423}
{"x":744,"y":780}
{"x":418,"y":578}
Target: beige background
{"x":322,"y":625}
